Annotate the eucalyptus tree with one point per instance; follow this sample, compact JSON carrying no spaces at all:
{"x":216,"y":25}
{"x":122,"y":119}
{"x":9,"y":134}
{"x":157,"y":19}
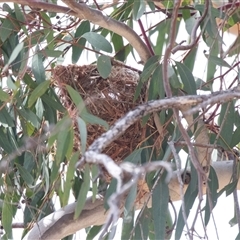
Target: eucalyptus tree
{"x":99,"y":102}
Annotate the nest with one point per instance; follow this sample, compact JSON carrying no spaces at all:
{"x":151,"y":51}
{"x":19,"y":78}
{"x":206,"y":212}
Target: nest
{"x":108,"y":99}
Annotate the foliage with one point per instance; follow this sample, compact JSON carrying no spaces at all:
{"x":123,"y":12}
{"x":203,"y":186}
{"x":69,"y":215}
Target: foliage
{"x":38,"y":131}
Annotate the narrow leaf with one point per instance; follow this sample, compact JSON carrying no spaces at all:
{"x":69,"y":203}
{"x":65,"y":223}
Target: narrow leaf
{"x":134,"y":157}
{"x":89,"y":118}
{"x":212,"y":194}
{"x":6,"y":29}
{"x":187,"y":78}
{"x":98,"y":41}
{"x":37,"y":67}
{"x":189,"y":198}
{"x":218,"y":61}
{"x":79,"y":46}
{"x":82,"y":196}
{"x":77,"y":99}
{"x":7,"y":216}
{"x":104,"y":66}
{"x":227,"y":115}
{"x":69,"y":178}
{"x":38,"y":92}
{"x":27,"y":177}
{"x":4,"y":96}
{"x":5,"y":118}
{"x":83,"y":134}
{"x":14,"y":55}
{"x":159,"y":207}
{"x":138,"y":9}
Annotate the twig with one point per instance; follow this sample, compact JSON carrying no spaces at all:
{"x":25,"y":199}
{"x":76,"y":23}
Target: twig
{"x":153,"y":106}
{"x":170,"y":45}
{"x":194,"y":37}
{"x":136,"y":173}
{"x":235,"y":195}
{"x":181,"y":185}
{"x":97,"y":17}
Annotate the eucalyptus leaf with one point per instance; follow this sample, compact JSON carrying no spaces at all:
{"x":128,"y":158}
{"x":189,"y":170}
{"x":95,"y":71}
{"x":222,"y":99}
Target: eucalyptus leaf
{"x":104,"y":66}
{"x":82,"y":196}
{"x":98,"y":41}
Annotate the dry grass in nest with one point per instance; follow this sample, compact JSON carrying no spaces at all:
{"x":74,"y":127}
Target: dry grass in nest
{"x":109,"y":99}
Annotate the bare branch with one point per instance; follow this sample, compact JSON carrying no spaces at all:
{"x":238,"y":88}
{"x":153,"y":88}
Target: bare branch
{"x":153,"y":106}
{"x":97,"y":17}
{"x":95,"y":213}
{"x":194,"y":32}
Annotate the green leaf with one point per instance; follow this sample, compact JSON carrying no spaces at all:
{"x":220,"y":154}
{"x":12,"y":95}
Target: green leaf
{"x":7,"y":215}
{"x":173,"y":78}
{"x":69,"y":178}
{"x":4,"y":96}
{"x":189,"y":198}
{"x":149,"y":68}
{"x":212,"y":194}
{"x":131,"y":197}
{"x":162,"y":30}
{"x":156,"y":88}
{"x":37,"y":67}
{"x":235,"y":137}
{"x":38,"y":92}
{"x":111,"y":189}
{"x":6,"y":29}
{"x":227,"y":115}
{"x":29,"y":116}
{"x":51,"y":53}
{"x":14,"y":55}
{"x":201,"y":85}
{"x":93,"y":232}
{"x":20,"y":17}
{"x":159,"y":207}
{"x":189,"y":60}
{"x":89,"y":118}
{"x":62,"y":145}
{"x":138,"y":9}
{"x":187,"y":78}
{"x":98,"y":41}
{"x":79,"y":46}
{"x":27,"y":177}
{"x":104,"y":66}
{"x":142,"y":226}
{"x":128,"y":221}
{"x":4,"y":142}
{"x":134,"y":157}
{"x":214,"y":12}
{"x":77,"y":99}
{"x":218,"y":61}
{"x":82,"y":196}
{"x":5,"y":118}
{"x":83,"y":134}
{"x":117,"y":41}
{"x":230,"y":187}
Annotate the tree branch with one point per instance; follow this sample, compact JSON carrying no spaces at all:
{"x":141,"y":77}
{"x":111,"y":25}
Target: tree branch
{"x":95,"y":214}
{"x":82,"y":11}
{"x":96,"y":17}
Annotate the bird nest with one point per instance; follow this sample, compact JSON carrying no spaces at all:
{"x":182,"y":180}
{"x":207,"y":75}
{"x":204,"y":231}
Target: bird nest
{"x":108,"y":99}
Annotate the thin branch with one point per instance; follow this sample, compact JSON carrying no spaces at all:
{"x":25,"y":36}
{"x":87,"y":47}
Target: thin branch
{"x":194,"y":37}
{"x":170,"y":45}
{"x":97,"y":17}
{"x":181,"y":185}
{"x":94,"y":213}
{"x":153,"y":106}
